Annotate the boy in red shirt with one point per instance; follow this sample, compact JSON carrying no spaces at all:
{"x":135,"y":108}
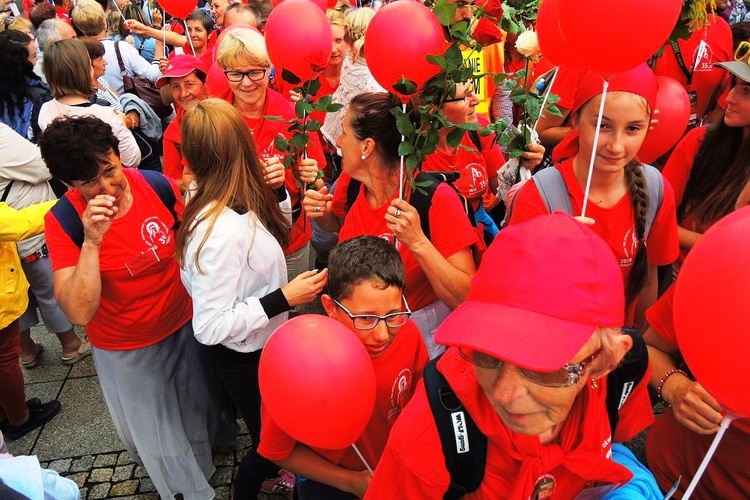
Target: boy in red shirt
{"x":365,"y":283}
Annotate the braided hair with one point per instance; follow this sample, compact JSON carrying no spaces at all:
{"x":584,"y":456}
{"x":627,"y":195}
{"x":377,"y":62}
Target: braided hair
{"x":636,"y":181}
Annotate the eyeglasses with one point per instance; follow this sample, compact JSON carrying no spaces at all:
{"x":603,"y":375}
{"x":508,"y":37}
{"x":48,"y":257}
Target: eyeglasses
{"x":568,"y":375}
{"x":468,"y":96}
{"x":370,"y":321}
{"x":743,"y":52}
{"x":255,"y":75}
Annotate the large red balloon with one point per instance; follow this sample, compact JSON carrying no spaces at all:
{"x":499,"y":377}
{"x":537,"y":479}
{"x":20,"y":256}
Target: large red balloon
{"x":551,"y":42}
{"x":710,"y":311}
{"x":317,"y":381}
{"x":323,"y":4}
{"x":178,"y":8}
{"x":298,"y":38}
{"x":673,"y":104}
{"x":614,"y":36}
{"x":397,"y":43}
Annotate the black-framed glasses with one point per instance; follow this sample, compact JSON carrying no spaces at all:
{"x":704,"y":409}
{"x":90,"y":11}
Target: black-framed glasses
{"x":468,"y":96}
{"x":370,"y":321}
{"x":568,"y":375}
{"x":743,"y":52}
{"x":255,"y":75}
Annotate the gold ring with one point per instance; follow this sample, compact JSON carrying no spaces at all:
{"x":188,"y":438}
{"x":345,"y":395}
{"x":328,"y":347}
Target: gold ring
{"x":397,"y":213}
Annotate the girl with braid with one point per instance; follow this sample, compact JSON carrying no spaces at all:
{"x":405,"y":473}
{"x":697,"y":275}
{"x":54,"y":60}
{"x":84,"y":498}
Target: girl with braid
{"x":618,"y":202}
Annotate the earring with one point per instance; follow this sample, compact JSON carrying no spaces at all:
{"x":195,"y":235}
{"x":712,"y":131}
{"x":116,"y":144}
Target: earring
{"x":363,"y":157}
{"x":594,"y":384}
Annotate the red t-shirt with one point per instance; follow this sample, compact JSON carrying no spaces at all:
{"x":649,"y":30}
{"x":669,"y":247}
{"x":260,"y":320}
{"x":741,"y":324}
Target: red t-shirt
{"x":615,"y":225}
{"x":673,"y":450}
{"x":566,"y":82}
{"x":264,"y":132}
{"x":397,"y":372}
{"x":134,"y":311}
{"x":412,"y":465}
{"x":699,"y":59}
{"x":450,"y":231}
{"x":476,"y":168}
{"x":172,"y":146}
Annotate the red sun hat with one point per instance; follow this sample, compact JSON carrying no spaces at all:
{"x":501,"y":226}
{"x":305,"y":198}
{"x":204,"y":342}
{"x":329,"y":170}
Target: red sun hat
{"x":543,"y":288}
{"x":180,"y":66}
{"x":639,"y":80}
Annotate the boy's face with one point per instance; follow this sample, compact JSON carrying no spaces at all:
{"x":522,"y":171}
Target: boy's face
{"x":368,"y":297}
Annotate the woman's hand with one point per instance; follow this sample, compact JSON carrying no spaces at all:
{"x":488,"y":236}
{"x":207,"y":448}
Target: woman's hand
{"x":163,"y":63}
{"x":317,"y":203}
{"x":693,"y":406}
{"x":97,"y":218}
{"x":305,"y":287}
{"x":308,"y":170}
{"x":273,"y":172}
{"x":156,"y":17}
{"x":403,"y":220}
{"x":134,"y":26}
{"x":132,"y":119}
{"x":533,"y":156}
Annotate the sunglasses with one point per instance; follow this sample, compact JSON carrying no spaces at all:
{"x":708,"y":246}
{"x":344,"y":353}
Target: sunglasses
{"x":568,"y":375}
{"x":743,"y":52}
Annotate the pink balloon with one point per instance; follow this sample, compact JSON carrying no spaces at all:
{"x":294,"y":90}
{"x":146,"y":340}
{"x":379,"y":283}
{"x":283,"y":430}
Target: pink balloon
{"x":317,"y":381}
{"x":710,"y":311}
{"x":551,"y":42}
{"x":178,"y":8}
{"x":610,"y":36}
{"x":673,"y":104}
{"x":298,"y":38}
{"x":397,"y":43}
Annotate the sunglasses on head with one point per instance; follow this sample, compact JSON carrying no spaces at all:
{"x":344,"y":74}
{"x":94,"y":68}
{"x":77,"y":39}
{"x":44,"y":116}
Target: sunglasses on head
{"x":743,"y":52}
{"x":570,"y":374}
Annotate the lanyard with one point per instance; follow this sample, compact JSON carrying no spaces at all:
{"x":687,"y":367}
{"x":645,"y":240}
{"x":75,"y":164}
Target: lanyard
{"x":688,"y":72}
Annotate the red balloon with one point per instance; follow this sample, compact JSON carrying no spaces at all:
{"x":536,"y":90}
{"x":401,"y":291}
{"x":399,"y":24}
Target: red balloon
{"x":611,"y":37}
{"x":178,"y":8}
{"x":331,"y":4}
{"x":298,"y":38}
{"x":710,"y":311}
{"x":551,"y":42}
{"x":317,"y":381}
{"x":397,"y":42}
{"x":320,"y":3}
{"x":673,"y":104}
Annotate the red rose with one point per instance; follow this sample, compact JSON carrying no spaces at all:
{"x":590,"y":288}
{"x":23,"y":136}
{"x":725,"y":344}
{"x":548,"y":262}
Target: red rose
{"x":492,"y":8}
{"x":486,"y":32}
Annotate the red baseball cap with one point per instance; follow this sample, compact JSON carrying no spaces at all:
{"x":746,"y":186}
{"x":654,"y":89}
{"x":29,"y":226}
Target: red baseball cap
{"x":543,"y":288}
{"x":180,"y":66}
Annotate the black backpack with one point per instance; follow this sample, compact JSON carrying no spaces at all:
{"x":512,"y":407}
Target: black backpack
{"x":70,"y":221}
{"x":464,"y":445}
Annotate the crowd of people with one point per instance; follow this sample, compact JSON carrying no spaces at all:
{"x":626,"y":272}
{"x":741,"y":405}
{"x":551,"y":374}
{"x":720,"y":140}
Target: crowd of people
{"x":146,"y":196}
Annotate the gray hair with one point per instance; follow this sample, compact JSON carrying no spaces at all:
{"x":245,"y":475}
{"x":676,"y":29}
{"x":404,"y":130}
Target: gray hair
{"x":48,"y":33}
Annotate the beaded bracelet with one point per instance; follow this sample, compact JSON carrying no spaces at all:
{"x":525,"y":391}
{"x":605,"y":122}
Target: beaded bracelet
{"x":663,"y":381}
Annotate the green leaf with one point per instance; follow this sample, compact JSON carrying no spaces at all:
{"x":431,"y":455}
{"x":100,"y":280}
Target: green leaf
{"x":454,"y":137}
{"x":444,"y":11}
{"x":289,"y":161}
{"x":403,"y":122}
{"x":273,"y":118}
{"x":303,"y":108}
{"x":323,"y":102}
{"x":296,"y":127}
{"x":437,"y":60}
{"x":333,"y":107}
{"x":299,"y":140}
{"x":313,"y":126}
{"x":405,"y":87}
{"x":281,"y":144}
{"x":290,"y":77}
{"x":405,"y":148}
{"x":468,"y":126}
{"x":460,"y":30}
{"x":553,"y":98}
{"x":411,"y":162}
{"x":553,"y":110}
{"x":453,"y":55}
{"x":311,"y":87}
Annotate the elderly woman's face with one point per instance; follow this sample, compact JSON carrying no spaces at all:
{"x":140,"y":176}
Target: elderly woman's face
{"x":188,"y":91}
{"x":462,"y":108}
{"x":250,"y":90}
{"x":529,"y":408}
{"x":109,"y":180}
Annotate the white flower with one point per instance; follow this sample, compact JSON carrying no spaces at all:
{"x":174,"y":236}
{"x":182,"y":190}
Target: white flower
{"x":527,"y":45}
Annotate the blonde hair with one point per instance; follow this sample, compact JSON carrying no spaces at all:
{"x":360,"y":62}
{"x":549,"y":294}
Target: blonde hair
{"x":242,"y":47}
{"x":336,"y":18}
{"x":219,"y":149}
{"x":355,"y":26}
{"x":20,"y":24}
{"x":88,"y":17}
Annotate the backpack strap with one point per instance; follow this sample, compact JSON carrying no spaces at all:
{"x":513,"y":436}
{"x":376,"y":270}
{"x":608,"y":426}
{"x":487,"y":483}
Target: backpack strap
{"x":474,"y":136}
{"x":123,"y":71}
{"x":464,"y":445}
{"x":71,"y":223}
{"x":69,"y":220}
{"x":352,"y":191}
{"x":6,"y":191}
{"x":655,"y":186}
{"x":623,"y":379}
{"x":553,"y":190}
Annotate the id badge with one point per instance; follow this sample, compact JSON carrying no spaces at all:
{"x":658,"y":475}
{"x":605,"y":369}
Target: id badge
{"x":143,"y":261}
{"x":693,"y":96}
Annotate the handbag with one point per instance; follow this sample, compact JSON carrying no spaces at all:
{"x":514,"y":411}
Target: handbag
{"x":143,"y":88}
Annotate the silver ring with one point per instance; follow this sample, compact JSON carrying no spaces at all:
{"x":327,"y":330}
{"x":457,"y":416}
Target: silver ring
{"x":317,"y":208}
{"x":397,"y":213}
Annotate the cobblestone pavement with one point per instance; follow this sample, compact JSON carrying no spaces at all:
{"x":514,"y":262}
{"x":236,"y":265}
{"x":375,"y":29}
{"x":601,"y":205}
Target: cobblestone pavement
{"x":81,"y":443}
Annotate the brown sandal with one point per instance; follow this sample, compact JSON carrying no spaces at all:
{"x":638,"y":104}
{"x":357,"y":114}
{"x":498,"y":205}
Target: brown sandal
{"x":31,"y":361}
